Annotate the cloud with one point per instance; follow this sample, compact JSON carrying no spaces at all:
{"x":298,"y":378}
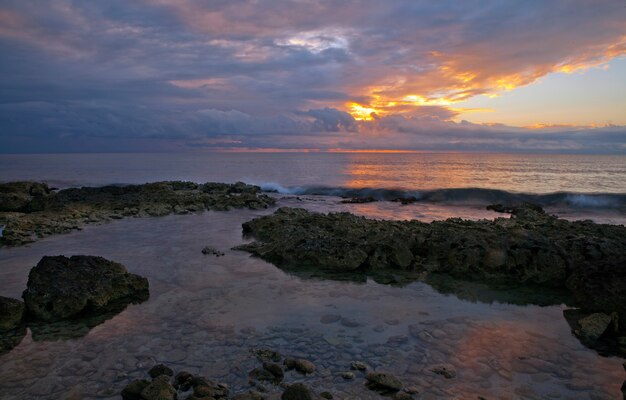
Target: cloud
{"x":291,"y":73}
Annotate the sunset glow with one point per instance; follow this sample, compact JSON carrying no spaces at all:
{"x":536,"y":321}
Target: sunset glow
{"x":184,"y":74}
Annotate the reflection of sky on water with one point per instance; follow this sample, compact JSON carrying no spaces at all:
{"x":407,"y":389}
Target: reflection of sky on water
{"x":205,"y":313}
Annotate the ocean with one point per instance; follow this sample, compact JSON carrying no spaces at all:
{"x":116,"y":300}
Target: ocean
{"x":444,"y":184}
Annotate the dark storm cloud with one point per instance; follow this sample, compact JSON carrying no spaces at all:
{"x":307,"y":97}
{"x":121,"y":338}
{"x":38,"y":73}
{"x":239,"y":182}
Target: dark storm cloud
{"x":283,"y":73}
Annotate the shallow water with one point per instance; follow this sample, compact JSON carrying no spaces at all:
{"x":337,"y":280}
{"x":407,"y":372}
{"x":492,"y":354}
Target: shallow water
{"x":205,"y":314}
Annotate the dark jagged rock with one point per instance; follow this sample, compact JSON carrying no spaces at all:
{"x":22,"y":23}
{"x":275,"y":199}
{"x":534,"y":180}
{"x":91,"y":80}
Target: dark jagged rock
{"x":60,"y":287}
{"x":359,"y":200}
{"x":24,"y":196}
{"x":531,"y":248}
{"x":212,"y":251}
{"x":383,"y":381}
{"x":159,"y":389}
{"x":275,"y":370}
{"x":207,"y":389}
{"x":267,"y":355}
{"x":11,"y":313}
{"x":183,"y":381}
{"x":405,"y":200}
{"x":32,"y":210}
{"x":159,"y":370}
{"x":11,"y":338}
{"x":297,"y":391}
{"x":133,"y":390}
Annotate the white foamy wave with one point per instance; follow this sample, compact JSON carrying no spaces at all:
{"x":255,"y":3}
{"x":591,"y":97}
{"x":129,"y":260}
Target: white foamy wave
{"x":278,"y":188}
{"x":582,"y":200}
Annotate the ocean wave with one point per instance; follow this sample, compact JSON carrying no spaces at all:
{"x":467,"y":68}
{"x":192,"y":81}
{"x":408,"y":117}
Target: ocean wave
{"x":467,"y":196}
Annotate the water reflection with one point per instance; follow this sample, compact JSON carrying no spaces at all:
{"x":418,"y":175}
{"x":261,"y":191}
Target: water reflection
{"x":512,"y":172}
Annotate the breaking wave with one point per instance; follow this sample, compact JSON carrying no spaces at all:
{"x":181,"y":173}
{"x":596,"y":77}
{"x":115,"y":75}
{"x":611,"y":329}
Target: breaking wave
{"x":469,"y":196}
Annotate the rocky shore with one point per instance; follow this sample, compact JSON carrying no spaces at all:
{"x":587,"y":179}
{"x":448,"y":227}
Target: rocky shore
{"x":531,"y":249}
{"x":31,"y":210}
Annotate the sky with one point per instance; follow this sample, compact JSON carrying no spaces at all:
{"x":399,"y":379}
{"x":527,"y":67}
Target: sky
{"x":234,"y":75}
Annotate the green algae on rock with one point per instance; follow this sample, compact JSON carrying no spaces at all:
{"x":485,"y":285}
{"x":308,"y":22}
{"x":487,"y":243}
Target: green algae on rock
{"x":31,"y":210}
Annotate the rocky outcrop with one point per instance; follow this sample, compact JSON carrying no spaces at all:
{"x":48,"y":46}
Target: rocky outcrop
{"x":24,"y":196}
{"x":530,"y":248}
{"x":31,"y":210}
{"x":11,"y":313}
{"x":60,"y":287}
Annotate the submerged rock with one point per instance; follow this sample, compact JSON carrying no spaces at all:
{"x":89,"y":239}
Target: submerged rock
{"x":297,"y":391}
{"x":60,"y":287}
{"x":11,"y":313}
{"x":448,"y":371}
{"x":301,"y":365}
{"x":383,"y":381}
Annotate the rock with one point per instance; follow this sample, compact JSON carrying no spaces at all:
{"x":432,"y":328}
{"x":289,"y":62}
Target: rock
{"x":24,"y":196}
{"x":358,"y":365}
{"x":60,"y":287}
{"x":297,"y":391}
{"x":183,"y":381}
{"x":133,"y":390}
{"x":330,"y":319}
{"x":159,"y":389}
{"x":301,"y":365}
{"x":207,"y":389}
{"x":405,"y":200}
{"x":359,"y":200}
{"x":212,"y":251}
{"x":347,"y":375}
{"x":383,"y":381}
{"x":11,"y":313}
{"x":275,"y":370}
{"x":326,"y":395}
{"x":267,"y":355}
{"x":350,"y":323}
{"x":261,"y":374}
{"x":159,"y":370}
{"x":402,"y":396}
{"x":43,"y":213}
{"x":446,"y":370}
{"x":592,"y":326}
{"x":411,"y":390}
